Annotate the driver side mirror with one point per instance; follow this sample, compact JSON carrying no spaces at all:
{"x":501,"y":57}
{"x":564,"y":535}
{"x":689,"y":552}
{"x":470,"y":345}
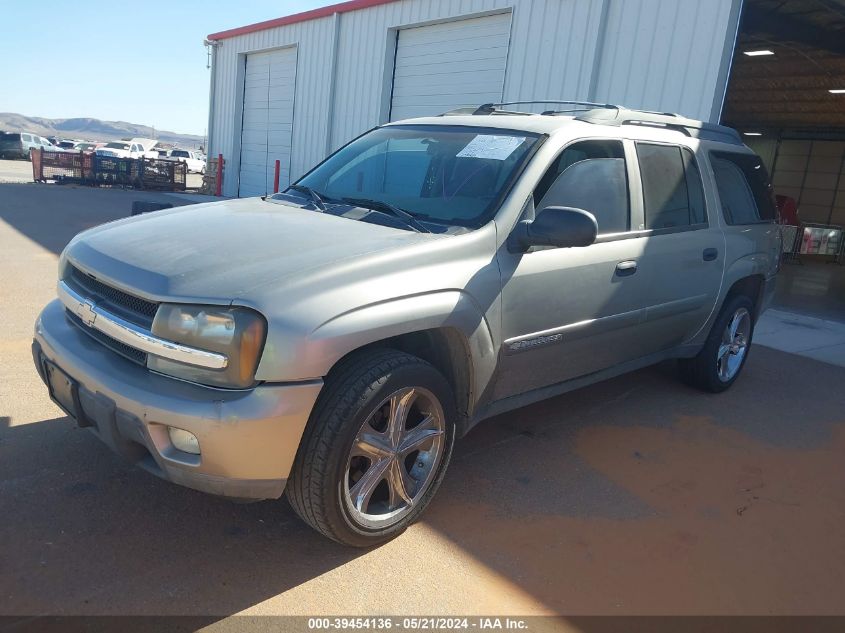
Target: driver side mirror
{"x":561,"y":227}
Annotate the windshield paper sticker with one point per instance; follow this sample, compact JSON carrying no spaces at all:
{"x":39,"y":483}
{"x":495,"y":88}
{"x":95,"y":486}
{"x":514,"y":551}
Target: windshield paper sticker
{"x":491,"y":147}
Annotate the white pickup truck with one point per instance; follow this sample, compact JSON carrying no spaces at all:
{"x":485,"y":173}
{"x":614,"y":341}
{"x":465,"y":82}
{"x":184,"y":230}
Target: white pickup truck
{"x":134,"y":148}
{"x":191,"y":159}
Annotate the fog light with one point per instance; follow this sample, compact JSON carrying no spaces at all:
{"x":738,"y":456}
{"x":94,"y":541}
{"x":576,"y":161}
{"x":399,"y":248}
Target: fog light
{"x":184,"y":441}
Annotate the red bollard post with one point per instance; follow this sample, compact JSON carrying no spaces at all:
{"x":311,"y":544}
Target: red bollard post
{"x":276,"y":177}
{"x":219,"y":184}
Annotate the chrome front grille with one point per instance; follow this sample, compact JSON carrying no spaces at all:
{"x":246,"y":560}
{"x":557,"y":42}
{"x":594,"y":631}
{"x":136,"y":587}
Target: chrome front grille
{"x":117,"y":326}
{"x":132,"y":308}
{"x":133,"y":354}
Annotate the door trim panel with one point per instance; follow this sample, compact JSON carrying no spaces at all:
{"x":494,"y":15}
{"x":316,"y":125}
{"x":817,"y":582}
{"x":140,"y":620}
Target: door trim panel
{"x":601,"y":325}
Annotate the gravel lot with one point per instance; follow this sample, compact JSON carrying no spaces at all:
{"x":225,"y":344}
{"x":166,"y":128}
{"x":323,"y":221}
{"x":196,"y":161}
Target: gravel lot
{"x":635,"y":496}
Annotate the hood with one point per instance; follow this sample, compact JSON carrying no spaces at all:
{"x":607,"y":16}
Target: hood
{"x":146,"y":143}
{"x":218,"y":252}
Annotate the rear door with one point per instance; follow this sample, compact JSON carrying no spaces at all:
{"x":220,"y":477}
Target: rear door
{"x":684,"y":255}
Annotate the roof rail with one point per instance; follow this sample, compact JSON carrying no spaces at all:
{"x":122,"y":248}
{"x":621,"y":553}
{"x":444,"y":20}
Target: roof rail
{"x":690,"y":127}
{"x":609,"y":114}
{"x":489,"y":108}
{"x":475,"y":110}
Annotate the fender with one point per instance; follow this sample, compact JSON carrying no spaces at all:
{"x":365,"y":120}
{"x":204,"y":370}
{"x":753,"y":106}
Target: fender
{"x":747,"y":266}
{"x":318,"y":352}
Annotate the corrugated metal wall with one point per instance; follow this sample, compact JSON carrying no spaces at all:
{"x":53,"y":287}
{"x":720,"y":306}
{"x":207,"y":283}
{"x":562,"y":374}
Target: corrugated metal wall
{"x":666,"y":55}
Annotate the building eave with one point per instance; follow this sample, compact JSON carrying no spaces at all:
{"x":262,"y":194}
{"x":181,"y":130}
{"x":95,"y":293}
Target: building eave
{"x":314,"y":14}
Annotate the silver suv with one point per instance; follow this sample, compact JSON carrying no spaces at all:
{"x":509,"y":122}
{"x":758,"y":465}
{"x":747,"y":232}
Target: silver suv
{"x":334,"y":340}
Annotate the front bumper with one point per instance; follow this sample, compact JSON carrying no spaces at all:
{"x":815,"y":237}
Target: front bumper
{"x":248,"y":439}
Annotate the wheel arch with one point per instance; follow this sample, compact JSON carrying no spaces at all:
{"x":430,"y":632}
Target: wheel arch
{"x":747,"y":275}
{"x":752,"y":286}
{"x":445,"y":328}
{"x":447,"y":349}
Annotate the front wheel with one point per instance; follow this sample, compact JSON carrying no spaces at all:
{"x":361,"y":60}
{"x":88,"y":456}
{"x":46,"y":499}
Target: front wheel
{"x":375,"y":449}
{"x":720,"y":361}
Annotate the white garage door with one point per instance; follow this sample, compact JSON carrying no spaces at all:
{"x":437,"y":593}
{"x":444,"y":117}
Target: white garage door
{"x":269,"y":85}
{"x":449,"y":65}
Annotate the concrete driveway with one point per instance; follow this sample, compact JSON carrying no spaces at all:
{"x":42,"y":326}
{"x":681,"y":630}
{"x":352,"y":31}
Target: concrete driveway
{"x":635,"y":496}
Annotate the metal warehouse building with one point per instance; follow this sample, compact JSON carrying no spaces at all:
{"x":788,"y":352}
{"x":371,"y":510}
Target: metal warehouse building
{"x":296,"y":88}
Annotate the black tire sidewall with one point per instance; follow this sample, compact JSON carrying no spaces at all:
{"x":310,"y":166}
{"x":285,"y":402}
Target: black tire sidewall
{"x":418,"y":374}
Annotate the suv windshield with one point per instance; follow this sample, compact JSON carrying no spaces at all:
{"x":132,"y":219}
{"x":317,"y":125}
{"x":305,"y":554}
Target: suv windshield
{"x":446,"y":174}
{"x":180,"y":153}
{"x":117,"y":145}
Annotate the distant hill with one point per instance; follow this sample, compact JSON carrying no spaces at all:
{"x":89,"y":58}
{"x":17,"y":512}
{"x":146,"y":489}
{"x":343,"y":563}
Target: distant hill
{"x":91,"y":129}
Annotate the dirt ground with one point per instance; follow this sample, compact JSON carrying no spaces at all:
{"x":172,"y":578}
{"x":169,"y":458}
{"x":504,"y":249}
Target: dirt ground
{"x":635,"y":496}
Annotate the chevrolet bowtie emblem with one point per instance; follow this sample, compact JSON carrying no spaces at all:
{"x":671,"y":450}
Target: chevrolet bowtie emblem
{"x":85,"y":311}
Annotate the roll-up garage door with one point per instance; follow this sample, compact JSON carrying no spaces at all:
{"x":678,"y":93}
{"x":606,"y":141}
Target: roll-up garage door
{"x":269,"y":85}
{"x":449,"y":65}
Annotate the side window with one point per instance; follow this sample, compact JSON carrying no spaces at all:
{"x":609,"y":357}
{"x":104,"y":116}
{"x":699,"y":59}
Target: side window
{"x":672,"y":189}
{"x":589,"y":175}
{"x":26,"y":137}
{"x":744,"y":188}
{"x":734,"y":193}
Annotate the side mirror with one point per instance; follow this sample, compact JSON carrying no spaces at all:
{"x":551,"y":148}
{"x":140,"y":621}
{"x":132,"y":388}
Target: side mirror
{"x":561,"y":227}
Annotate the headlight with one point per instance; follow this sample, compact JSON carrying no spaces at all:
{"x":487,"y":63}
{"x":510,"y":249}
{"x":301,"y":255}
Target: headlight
{"x":238,"y":333}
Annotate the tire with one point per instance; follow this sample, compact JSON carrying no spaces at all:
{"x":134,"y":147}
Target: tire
{"x":720,"y":361}
{"x":340,"y":483}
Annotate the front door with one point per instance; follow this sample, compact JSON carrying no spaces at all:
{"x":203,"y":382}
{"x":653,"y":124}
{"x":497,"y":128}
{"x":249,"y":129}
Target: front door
{"x":567,"y":312}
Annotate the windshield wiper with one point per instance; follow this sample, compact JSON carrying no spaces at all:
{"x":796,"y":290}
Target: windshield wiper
{"x":381,"y":205}
{"x":315,"y":197}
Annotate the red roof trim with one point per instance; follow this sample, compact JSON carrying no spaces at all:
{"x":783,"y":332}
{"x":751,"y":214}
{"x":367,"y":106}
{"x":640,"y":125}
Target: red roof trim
{"x":322,"y":12}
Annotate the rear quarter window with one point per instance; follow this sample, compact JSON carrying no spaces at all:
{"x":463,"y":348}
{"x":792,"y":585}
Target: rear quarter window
{"x":745,"y":192}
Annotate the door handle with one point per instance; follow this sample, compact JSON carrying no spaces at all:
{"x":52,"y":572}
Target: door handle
{"x":626,"y":268}
{"x":710,"y":254}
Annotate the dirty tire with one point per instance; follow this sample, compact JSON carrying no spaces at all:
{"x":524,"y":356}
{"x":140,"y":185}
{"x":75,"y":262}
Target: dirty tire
{"x":702,"y":371}
{"x":354,"y":390}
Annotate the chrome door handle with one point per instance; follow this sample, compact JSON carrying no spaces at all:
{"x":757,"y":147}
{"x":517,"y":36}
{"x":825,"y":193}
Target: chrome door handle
{"x":626,"y":268}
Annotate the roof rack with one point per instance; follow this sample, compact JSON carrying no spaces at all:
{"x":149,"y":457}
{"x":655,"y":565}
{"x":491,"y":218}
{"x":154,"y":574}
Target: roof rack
{"x":691,"y":127}
{"x":609,"y":114}
{"x":496,"y":108}
{"x":490,"y":108}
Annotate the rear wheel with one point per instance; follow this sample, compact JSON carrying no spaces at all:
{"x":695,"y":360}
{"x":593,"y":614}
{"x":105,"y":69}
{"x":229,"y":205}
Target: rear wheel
{"x":375,"y":449}
{"x":720,"y":361}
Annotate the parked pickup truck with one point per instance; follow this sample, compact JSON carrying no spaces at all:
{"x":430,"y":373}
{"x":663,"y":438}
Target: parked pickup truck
{"x":334,"y":340}
{"x":191,"y":159}
{"x":135,"y":148}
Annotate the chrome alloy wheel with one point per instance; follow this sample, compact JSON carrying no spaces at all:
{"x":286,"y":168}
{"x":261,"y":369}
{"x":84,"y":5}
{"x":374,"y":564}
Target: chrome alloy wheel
{"x":394,"y":458}
{"x":734,"y":345}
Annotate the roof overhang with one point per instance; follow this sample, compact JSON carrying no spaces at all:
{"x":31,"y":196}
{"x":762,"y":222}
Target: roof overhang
{"x":314,"y":14}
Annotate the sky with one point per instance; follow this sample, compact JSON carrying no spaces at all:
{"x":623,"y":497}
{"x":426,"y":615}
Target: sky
{"x":141,"y":62}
